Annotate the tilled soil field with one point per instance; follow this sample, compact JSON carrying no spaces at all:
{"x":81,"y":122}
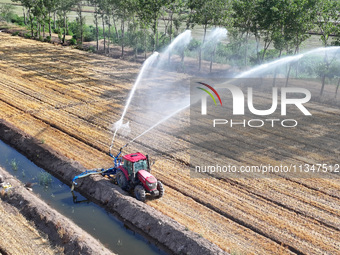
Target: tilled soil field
{"x":69,"y":99}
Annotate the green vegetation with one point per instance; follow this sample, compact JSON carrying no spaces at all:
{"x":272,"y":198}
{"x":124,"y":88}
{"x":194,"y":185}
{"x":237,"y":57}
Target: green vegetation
{"x":44,"y":179}
{"x":6,"y":12}
{"x":14,"y":164}
{"x":259,"y":30}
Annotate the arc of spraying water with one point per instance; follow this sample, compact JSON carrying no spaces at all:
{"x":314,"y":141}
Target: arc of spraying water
{"x":160,"y":122}
{"x":186,"y":35}
{"x":119,"y":123}
{"x":244,"y":74}
{"x":261,"y":67}
{"x":285,"y":60}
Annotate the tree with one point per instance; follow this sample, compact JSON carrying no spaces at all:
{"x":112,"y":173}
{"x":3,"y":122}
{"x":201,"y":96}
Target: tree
{"x":327,"y":22}
{"x":244,"y":19}
{"x":269,"y":19}
{"x":327,"y":19}
{"x":299,"y":20}
{"x":208,"y":13}
{"x":173,"y":8}
{"x":39,"y":12}
{"x":29,"y":5}
{"x":64,"y":7}
{"x":149,"y":11}
{"x":103,"y":10}
{"x":80,"y":21}
{"x":96,"y":12}
{"x":50,"y":6}
{"x":6,"y":12}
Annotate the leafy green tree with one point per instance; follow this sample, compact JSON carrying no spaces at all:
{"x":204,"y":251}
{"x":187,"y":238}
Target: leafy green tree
{"x":244,"y":19}
{"x":80,"y":22}
{"x":6,"y":12}
{"x":173,"y":13}
{"x":50,"y":6}
{"x":175,"y":10}
{"x":125,"y":11}
{"x":328,"y":17}
{"x":110,"y":10}
{"x":149,"y":11}
{"x":39,"y":12}
{"x":208,"y":13}
{"x":103,"y":10}
{"x":29,"y":5}
{"x":299,"y":20}
{"x":327,"y":22}
{"x":64,"y":7}
{"x":269,"y":19}
{"x":96,"y":22}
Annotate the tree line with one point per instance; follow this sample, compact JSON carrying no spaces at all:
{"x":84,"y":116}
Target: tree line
{"x":147,"y":25}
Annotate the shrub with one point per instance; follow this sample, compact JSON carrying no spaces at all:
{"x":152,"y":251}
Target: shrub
{"x":15,"y":33}
{"x":88,"y":37}
{"x":14,"y":18}
{"x":92,"y":49}
{"x":20,"y":21}
{"x":194,"y":45}
{"x":89,"y":33}
{"x":72,"y":41}
{"x":28,"y":36}
{"x":47,"y":39}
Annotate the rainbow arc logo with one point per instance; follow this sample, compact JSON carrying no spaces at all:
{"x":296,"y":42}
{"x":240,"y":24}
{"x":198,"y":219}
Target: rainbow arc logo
{"x":209,"y":93}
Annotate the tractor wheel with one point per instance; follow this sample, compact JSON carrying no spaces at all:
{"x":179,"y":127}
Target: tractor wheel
{"x":121,"y":180}
{"x":140,"y":193}
{"x":160,"y":189}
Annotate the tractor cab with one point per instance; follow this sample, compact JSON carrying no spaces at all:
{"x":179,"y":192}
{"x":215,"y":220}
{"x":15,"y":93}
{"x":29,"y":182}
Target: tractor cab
{"x":135,"y":162}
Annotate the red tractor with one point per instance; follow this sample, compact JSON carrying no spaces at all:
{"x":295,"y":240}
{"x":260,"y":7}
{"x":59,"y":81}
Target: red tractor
{"x":131,"y":171}
{"x":134,"y":173}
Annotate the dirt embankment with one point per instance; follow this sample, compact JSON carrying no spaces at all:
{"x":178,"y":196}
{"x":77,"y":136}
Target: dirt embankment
{"x":164,"y":231}
{"x":61,"y":232}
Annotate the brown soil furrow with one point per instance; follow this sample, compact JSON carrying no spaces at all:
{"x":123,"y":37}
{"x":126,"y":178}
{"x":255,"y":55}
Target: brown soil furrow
{"x":70,"y":101}
{"x":253,"y":213}
{"x":314,"y":211}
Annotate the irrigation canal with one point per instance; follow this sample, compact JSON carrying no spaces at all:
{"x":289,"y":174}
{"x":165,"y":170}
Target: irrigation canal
{"x":87,"y":215}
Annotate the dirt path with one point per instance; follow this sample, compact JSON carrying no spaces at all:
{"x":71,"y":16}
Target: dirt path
{"x":69,"y":99}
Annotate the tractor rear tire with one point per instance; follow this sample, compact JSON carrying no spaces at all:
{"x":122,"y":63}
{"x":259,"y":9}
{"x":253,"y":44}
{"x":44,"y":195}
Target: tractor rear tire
{"x":160,"y":188}
{"x":121,"y":180}
{"x":140,"y":193}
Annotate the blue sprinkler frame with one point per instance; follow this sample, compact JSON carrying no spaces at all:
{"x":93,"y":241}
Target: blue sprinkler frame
{"x":105,"y":172}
